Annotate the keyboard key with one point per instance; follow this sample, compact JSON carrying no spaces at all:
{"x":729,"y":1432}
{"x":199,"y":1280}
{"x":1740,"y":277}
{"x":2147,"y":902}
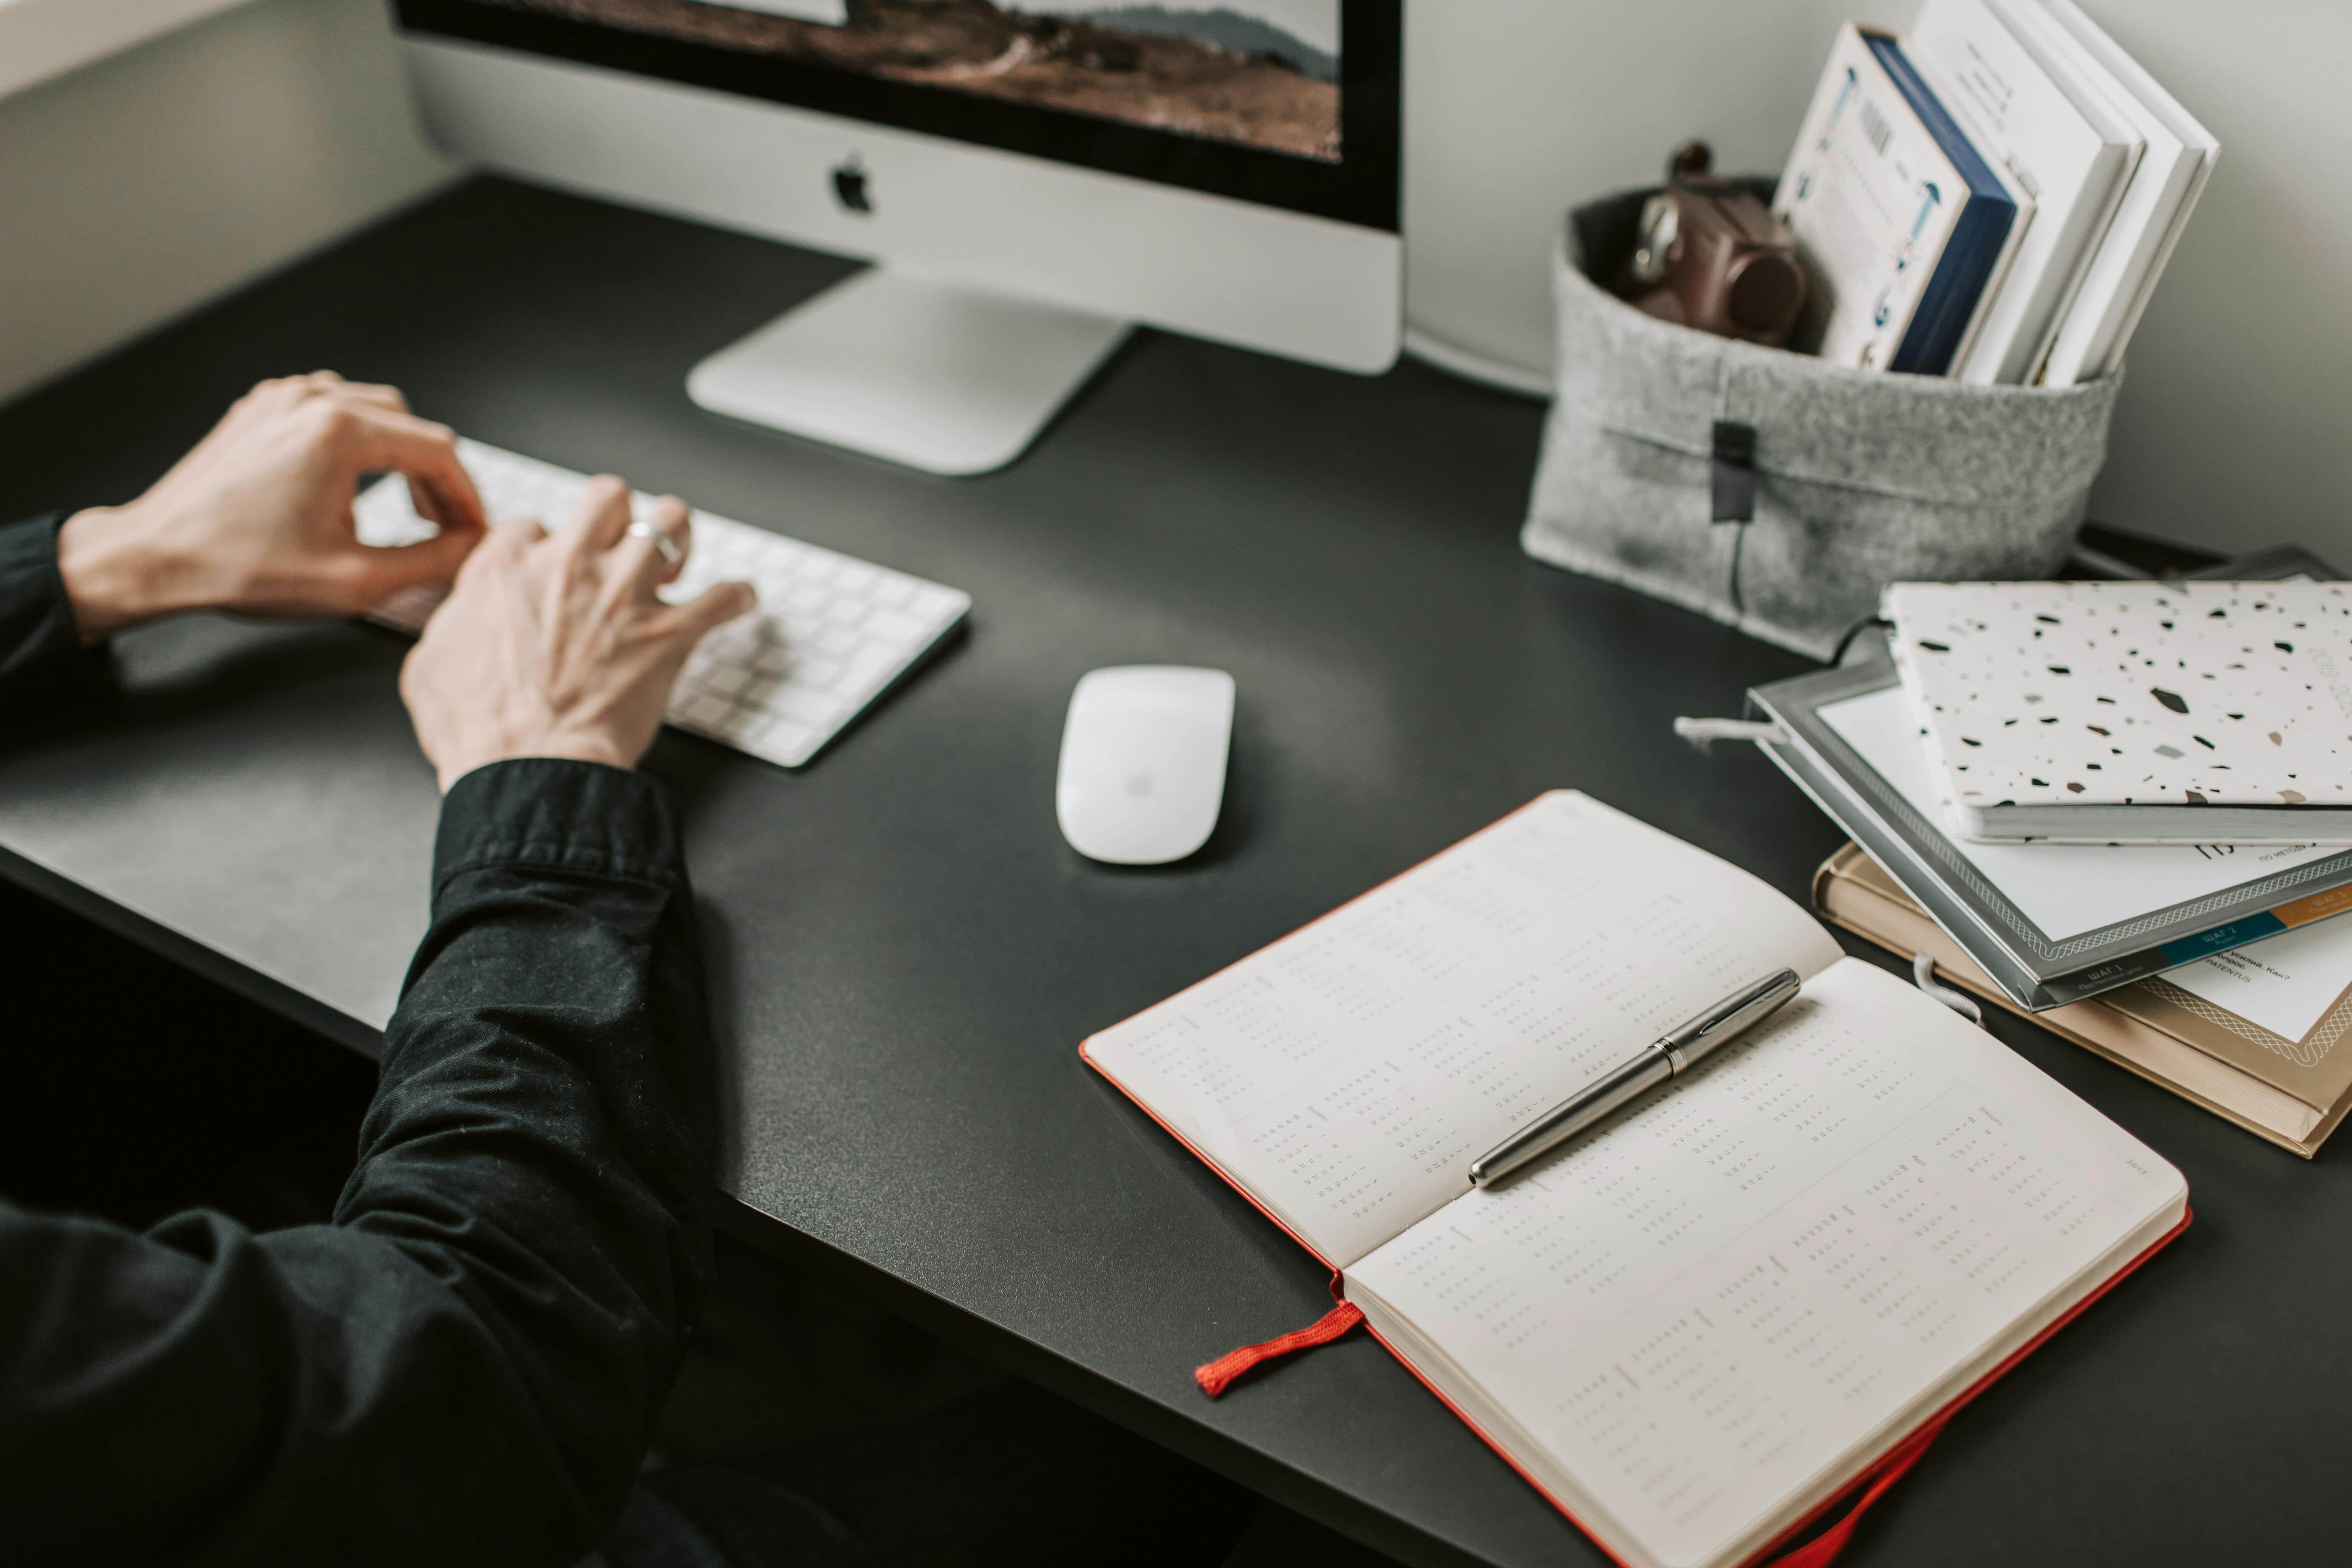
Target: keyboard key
{"x":934,"y":604}
{"x":729,"y":680}
{"x":811,"y":708}
{"x":817,"y":673}
{"x":708,"y":710}
{"x":897,"y":627}
{"x":789,"y":743}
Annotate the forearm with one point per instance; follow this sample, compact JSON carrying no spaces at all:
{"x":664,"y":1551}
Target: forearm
{"x":41,"y":652}
{"x":542,"y":1137}
{"x":462,"y":1369}
{"x":546,"y":1094}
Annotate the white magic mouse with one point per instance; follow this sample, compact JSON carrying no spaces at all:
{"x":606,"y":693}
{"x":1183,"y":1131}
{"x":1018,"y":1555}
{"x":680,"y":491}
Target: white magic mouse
{"x":1143,"y":762}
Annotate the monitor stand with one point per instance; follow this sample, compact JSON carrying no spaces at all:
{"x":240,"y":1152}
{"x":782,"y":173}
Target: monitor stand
{"x":922,"y":372}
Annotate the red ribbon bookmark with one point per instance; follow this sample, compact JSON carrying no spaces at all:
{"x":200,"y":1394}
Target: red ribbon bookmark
{"x":1218,"y":1375}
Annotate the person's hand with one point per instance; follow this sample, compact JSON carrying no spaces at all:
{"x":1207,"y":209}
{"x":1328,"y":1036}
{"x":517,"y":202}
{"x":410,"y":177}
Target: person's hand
{"x":556,"y":645}
{"x":257,"y":517}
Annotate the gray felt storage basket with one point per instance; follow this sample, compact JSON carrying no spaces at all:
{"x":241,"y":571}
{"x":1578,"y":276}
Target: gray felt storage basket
{"x":1859,"y":479}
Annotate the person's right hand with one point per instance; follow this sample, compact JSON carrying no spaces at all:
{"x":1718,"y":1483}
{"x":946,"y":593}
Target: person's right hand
{"x":556,"y":645}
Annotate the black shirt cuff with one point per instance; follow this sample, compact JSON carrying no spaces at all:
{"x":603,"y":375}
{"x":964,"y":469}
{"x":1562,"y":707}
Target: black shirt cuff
{"x":557,"y":815}
{"x":41,"y":655}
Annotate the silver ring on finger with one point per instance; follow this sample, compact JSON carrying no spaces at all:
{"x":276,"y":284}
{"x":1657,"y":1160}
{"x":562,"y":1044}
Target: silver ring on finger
{"x":663,"y":540}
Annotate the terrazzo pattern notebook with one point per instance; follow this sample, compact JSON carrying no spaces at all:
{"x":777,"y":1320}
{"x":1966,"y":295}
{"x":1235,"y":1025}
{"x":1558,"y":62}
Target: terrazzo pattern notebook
{"x":2180,"y":713}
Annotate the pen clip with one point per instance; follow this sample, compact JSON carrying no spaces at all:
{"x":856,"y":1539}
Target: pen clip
{"x":1729,"y":1018}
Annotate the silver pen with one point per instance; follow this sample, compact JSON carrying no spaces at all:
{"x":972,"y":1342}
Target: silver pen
{"x":1673,"y":1054}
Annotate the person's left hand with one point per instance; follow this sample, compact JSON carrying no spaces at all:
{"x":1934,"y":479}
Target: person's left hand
{"x":257,"y":517}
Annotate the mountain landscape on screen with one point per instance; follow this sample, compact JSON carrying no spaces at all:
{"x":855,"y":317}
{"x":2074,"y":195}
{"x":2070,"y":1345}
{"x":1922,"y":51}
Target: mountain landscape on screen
{"x":1260,"y":73}
{"x":1304,"y":35}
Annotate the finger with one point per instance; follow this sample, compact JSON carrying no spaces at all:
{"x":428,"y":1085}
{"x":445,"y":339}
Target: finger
{"x":429,"y":561}
{"x":371,"y":439}
{"x":318,"y":383}
{"x":516,"y":537}
{"x":449,"y":510}
{"x":427,"y":504}
{"x":501,"y":550}
{"x":603,"y":515}
{"x":712,"y":608}
{"x":649,"y":566}
{"x":370,"y":393}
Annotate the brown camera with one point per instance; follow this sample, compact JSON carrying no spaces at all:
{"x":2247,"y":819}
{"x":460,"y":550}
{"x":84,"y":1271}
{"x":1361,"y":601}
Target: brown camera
{"x":1710,"y":254}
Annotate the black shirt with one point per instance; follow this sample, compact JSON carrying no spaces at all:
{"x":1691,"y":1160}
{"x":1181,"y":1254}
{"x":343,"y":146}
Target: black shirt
{"x":463,"y":1368}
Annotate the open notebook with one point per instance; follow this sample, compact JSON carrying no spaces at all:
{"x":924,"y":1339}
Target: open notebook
{"x":1696,"y":1326}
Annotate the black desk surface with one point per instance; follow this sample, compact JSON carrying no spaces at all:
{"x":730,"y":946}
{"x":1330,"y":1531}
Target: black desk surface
{"x":905,"y":953}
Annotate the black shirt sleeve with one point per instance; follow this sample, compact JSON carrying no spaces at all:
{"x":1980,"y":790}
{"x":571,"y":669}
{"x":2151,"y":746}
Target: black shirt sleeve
{"x":463,"y":1368}
{"x":41,"y":655}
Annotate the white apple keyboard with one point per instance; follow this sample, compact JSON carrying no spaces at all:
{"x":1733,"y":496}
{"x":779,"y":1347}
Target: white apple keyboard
{"x":831,"y":633}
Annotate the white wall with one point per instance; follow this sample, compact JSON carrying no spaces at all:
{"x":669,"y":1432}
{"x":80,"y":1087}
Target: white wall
{"x":2232,"y":428}
{"x":135,"y":189}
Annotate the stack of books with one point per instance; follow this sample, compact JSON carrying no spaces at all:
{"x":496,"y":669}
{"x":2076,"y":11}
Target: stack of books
{"x":1991,"y":197}
{"x":2123,"y":808}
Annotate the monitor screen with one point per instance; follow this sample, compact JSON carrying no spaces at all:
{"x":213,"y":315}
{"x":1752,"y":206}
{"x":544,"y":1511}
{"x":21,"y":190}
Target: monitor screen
{"x":1293,"y":103}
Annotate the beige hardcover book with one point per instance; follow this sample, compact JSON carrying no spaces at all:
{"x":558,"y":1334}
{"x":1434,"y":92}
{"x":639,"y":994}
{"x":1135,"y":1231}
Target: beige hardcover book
{"x":2213,"y":1033}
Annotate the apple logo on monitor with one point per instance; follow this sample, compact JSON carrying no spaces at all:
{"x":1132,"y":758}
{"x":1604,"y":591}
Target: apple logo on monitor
{"x":849,"y":186}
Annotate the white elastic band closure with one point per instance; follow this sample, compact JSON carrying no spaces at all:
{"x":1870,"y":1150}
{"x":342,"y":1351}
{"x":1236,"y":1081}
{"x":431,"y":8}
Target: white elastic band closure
{"x":1704,"y":732}
{"x":1923,"y":975}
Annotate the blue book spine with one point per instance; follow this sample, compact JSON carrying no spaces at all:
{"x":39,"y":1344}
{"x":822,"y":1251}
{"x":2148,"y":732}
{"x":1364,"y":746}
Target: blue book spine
{"x":1950,"y":301}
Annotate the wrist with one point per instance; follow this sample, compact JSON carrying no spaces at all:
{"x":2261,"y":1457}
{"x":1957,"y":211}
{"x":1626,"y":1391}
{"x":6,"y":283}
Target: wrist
{"x":116,"y":573}
{"x":568,"y":747}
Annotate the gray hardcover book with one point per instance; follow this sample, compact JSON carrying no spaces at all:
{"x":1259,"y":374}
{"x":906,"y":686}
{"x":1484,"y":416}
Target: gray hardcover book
{"x":2051,"y":923}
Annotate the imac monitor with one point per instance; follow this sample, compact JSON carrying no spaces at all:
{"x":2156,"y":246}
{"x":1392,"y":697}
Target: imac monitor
{"x":1030,"y":178}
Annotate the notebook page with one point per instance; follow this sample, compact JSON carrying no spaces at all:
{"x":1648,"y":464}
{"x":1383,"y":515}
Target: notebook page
{"x":1348,"y":1075}
{"x":1699,"y":1310}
